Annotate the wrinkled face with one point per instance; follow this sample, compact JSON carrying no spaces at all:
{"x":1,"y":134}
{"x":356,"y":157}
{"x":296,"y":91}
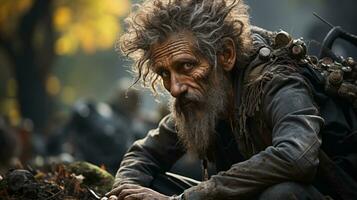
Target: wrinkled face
{"x":183,"y":71}
{"x":200,"y":94}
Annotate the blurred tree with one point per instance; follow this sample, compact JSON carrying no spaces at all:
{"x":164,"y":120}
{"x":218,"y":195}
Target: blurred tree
{"x":34,"y":32}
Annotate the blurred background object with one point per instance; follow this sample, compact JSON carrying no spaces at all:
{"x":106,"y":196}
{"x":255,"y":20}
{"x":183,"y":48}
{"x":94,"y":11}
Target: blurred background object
{"x":9,"y":146}
{"x":101,"y":132}
{"x":65,"y":93}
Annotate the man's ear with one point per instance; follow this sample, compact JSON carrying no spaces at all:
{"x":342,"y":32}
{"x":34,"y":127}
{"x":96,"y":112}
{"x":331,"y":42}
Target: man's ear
{"x":227,"y":58}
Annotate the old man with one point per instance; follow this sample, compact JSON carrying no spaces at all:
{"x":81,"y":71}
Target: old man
{"x":239,"y":100}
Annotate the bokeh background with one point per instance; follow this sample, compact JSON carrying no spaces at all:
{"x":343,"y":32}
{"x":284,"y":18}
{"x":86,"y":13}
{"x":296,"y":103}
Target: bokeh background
{"x":61,"y":78}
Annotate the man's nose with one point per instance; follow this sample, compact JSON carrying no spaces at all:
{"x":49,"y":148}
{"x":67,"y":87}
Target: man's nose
{"x":177,"y":88}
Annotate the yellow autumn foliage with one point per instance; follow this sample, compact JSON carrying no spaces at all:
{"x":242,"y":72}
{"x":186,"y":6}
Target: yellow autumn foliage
{"x":88,"y":25}
{"x":53,"y":85}
{"x":10,"y":12}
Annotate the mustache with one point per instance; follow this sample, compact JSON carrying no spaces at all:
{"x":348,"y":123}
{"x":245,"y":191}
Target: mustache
{"x":184,"y":103}
{"x":189,"y":98}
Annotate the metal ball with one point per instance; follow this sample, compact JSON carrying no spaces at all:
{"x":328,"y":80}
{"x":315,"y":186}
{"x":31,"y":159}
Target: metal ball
{"x":282,"y":39}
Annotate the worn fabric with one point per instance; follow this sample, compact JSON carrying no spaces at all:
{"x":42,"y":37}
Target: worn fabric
{"x":291,"y":191}
{"x":154,"y":154}
{"x":294,"y":124}
{"x":291,"y":157}
{"x":171,"y":184}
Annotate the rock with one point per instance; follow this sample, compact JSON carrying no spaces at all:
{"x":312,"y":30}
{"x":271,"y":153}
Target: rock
{"x":16,"y":179}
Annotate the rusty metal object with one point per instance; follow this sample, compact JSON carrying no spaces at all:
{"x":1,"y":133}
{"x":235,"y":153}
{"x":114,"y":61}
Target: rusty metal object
{"x":314,"y":60}
{"x":264,"y":53}
{"x":282,"y":39}
{"x":340,"y":77}
{"x":335,"y":78}
{"x":350,"y":61}
{"x":336,"y":66}
{"x":325,"y":63}
{"x":298,"y":49}
{"x":348,"y":91}
{"x":333,"y":81}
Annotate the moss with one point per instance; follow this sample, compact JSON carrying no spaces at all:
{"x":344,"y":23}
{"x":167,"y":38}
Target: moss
{"x":96,"y":178}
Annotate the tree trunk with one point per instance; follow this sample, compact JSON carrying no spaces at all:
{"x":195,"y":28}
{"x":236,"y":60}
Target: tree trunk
{"x":31,"y":63}
{"x":32,"y":96}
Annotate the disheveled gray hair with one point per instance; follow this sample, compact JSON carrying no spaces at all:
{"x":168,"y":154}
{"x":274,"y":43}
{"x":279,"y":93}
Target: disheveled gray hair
{"x":209,"y":21}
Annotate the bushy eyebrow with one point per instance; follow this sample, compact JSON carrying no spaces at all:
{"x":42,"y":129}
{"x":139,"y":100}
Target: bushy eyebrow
{"x":176,"y":62}
{"x":183,"y":60}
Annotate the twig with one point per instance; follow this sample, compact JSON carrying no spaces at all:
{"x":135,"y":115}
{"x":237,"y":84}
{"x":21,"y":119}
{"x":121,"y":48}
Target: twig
{"x":53,"y":196}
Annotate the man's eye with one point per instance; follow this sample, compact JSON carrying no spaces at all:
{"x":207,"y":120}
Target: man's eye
{"x":188,"y":66}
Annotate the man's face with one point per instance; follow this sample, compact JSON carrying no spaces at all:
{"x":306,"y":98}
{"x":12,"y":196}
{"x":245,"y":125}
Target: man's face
{"x":200,"y":94}
{"x":183,"y":71}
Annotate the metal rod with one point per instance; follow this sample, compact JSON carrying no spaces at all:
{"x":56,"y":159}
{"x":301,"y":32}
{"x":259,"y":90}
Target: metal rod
{"x":323,"y":20}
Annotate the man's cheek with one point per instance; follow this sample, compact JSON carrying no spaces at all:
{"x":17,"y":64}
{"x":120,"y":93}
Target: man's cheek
{"x":201,"y":73}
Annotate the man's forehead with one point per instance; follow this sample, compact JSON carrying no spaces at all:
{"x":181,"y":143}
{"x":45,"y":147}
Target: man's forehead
{"x":175,"y":44}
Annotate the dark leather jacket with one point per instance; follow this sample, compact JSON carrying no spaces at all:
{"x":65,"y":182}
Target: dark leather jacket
{"x":283,"y":148}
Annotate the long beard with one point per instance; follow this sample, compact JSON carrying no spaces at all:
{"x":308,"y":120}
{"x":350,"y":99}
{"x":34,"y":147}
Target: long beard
{"x":196,"y":122}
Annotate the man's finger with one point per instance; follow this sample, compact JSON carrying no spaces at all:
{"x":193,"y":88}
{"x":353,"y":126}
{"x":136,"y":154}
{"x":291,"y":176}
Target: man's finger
{"x":126,"y":192}
{"x":140,"y":196}
{"x":113,"y":197}
{"x":118,"y":190}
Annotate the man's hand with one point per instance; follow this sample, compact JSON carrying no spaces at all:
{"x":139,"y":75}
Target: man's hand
{"x":134,"y":192}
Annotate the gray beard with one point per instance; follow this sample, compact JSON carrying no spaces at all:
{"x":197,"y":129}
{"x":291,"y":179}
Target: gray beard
{"x":196,"y":122}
